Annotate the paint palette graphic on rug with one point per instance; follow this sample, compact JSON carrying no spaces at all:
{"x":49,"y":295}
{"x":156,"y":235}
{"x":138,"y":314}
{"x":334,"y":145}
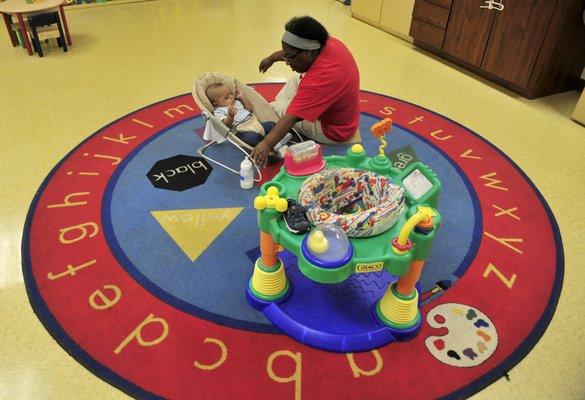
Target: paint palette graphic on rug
{"x":136,"y":252}
{"x":471,"y":338}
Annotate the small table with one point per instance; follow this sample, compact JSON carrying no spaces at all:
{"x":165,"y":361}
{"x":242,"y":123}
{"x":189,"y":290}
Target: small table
{"x":22,"y":8}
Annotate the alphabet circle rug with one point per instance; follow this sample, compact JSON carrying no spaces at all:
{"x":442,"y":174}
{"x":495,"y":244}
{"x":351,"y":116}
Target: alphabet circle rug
{"x":137,"y":252}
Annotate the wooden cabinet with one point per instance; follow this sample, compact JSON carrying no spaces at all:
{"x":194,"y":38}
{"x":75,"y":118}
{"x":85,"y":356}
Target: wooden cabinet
{"x":429,"y":21}
{"x":517,"y":34}
{"x":442,"y":3}
{"x":426,"y":33}
{"x":431,"y":13}
{"x":469,"y":30}
{"x":533,"y":47}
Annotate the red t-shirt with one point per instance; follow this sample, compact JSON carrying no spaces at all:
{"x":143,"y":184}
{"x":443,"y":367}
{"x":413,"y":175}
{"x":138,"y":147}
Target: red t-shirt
{"x":329,"y":92}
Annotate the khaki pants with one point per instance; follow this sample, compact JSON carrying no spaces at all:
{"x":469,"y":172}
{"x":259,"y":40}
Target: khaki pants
{"x":312,"y":130}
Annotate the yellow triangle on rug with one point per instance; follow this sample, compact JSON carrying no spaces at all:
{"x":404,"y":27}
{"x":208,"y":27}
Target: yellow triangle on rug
{"x":194,"y":230}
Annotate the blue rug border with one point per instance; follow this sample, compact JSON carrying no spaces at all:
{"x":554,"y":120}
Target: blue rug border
{"x":71,"y":347}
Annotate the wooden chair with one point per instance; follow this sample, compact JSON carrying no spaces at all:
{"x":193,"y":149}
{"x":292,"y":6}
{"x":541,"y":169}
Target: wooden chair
{"x":42,"y":28}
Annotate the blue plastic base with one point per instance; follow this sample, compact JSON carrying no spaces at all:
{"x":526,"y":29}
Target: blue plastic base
{"x":403,"y":335}
{"x":339,"y":317}
{"x":260,"y":304}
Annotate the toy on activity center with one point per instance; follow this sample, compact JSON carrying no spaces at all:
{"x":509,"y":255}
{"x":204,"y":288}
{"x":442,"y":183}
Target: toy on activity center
{"x":365,"y":217}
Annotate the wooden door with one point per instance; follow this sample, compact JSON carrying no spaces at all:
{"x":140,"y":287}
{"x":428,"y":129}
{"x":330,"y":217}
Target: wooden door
{"x":516,"y":39}
{"x":368,"y":10}
{"x":468,"y":30}
{"x":396,"y":15}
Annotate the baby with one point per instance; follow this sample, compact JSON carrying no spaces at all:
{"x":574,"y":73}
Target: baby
{"x":236,"y":112}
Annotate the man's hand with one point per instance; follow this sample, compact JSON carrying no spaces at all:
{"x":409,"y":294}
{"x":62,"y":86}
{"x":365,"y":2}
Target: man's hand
{"x":271,"y":59}
{"x":265,"y":64}
{"x":266,"y":146}
{"x":260,"y":153}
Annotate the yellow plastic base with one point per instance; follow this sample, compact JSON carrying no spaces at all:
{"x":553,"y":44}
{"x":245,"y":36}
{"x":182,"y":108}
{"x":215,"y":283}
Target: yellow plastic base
{"x":397,"y":309}
{"x":269,"y":283}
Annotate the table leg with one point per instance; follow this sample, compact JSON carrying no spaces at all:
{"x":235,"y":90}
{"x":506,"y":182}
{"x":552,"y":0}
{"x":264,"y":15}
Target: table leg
{"x":11,"y":33}
{"x":24,"y":33}
{"x":64,"y":20}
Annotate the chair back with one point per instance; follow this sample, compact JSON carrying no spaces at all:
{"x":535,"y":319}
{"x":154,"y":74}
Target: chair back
{"x":41,"y":21}
{"x":44,"y":19}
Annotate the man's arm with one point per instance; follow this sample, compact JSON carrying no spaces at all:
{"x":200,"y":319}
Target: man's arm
{"x":268,"y":61}
{"x":282,"y":127}
{"x":265,"y":147}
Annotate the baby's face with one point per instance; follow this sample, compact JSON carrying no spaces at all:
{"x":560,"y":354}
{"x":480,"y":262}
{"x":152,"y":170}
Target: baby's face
{"x":222,"y":97}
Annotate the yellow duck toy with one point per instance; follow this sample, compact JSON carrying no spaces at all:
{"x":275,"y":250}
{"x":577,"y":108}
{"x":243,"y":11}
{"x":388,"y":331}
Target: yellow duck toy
{"x":317,"y":242}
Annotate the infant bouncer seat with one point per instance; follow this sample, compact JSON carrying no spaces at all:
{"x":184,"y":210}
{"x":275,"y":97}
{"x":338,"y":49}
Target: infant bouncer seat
{"x":216,"y":131}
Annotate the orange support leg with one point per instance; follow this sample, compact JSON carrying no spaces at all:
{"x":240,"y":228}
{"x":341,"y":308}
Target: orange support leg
{"x":406,"y":283}
{"x":268,"y":250}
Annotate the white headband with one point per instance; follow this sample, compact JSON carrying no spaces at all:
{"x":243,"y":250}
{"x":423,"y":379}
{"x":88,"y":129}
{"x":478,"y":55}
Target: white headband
{"x":299,"y":42}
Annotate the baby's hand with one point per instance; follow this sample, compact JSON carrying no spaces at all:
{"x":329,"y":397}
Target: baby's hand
{"x":239,"y":94}
{"x":232,"y":110}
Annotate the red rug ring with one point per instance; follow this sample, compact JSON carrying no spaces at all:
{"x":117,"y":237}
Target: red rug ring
{"x":124,"y":334}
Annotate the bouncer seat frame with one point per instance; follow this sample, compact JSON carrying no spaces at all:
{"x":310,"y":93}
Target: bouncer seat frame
{"x":260,"y":108}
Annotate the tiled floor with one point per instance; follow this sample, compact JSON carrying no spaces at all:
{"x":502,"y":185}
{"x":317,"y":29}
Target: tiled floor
{"x":127,"y":56}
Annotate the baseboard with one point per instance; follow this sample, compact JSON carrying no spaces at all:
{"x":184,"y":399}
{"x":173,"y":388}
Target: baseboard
{"x":399,"y":35}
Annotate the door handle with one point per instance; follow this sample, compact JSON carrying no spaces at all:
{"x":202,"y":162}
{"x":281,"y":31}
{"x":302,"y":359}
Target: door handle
{"x":493,"y":5}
